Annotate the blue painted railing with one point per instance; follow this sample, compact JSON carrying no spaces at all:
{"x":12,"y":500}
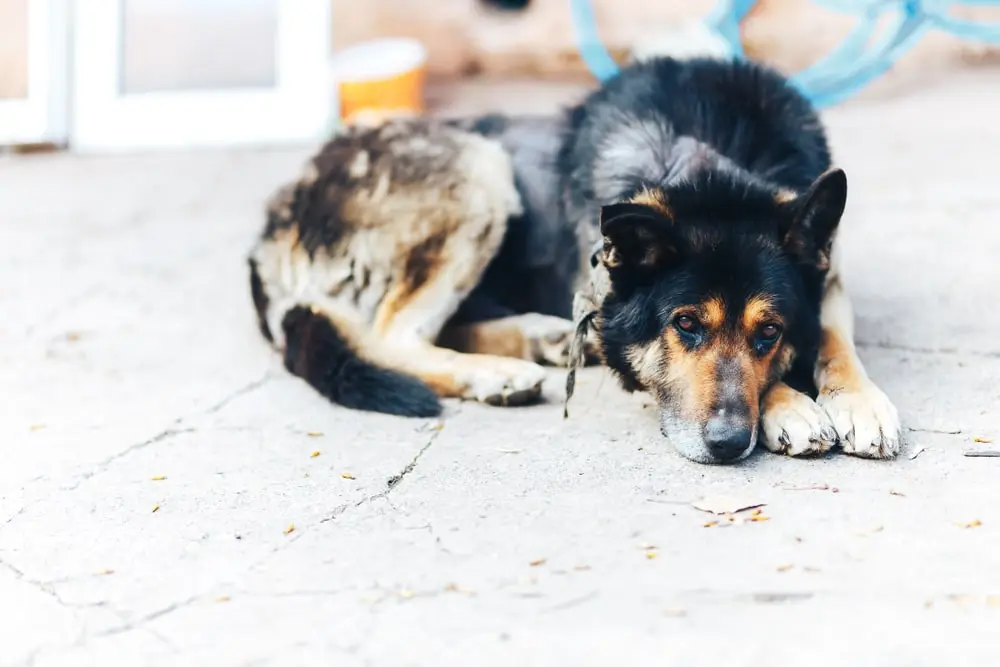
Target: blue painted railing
{"x":853,"y":64}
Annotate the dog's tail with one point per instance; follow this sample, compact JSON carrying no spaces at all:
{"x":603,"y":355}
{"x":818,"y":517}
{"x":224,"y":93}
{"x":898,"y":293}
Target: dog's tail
{"x":327,"y":353}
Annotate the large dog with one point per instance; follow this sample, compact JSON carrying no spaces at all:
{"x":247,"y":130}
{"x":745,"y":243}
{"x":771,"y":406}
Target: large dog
{"x":690,"y":204}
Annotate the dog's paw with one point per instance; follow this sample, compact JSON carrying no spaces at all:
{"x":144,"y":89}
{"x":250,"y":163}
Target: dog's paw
{"x":506,"y":382}
{"x":866,"y":421}
{"x":793,"y":424}
{"x":549,"y":338}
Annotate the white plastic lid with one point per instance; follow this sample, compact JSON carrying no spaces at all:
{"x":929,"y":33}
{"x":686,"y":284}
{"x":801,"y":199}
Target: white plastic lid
{"x":377,"y":59}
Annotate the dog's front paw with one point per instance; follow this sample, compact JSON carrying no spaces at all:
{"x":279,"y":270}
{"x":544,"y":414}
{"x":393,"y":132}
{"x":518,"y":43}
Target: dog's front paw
{"x":793,"y":424}
{"x":866,"y":421}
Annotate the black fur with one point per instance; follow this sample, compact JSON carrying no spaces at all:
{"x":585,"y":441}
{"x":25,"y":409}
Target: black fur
{"x":749,"y":135}
{"x":316,"y":352}
{"x":260,"y":300}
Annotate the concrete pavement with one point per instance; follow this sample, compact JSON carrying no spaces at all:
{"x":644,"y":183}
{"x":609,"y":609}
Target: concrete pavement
{"x":170,"y":496}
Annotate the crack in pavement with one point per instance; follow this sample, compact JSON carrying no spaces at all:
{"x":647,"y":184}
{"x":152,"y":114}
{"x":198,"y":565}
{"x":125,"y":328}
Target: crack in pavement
{"x":152,"y":616}
{"x":394,"y":481}
{"x":172,"y":430}
{"x":242,"y":391}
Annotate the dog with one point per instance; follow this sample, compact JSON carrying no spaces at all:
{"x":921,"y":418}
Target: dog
{"x":686,"y":211}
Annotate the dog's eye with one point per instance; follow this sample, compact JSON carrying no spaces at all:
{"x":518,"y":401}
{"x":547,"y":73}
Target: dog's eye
{"x":688,"y":324}
{"x":769,"y":333}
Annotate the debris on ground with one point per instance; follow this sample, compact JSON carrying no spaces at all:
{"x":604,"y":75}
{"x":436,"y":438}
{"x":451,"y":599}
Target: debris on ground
{"x":983,"y":440}
{"x":982,"y":453}
{"x":536,"y":563}
{"x":314,"y":454}
{"x":290,"y":529}
{"x":811,"y":487}
{"x":347,"y":475}
{"x":970,"y":524}
{"x":159,"y":478}
{"x":314,"y":434}
{"x":917,"y":452}
{"x":723,"y":504}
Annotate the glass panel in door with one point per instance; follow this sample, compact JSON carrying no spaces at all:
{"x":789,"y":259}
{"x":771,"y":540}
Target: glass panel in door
{"x":13,"y":49}
{"x":187,"y":45}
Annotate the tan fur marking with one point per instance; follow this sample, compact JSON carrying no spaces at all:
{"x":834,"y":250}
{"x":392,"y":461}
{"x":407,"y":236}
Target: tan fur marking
{"x":695,"y":372}
{"x":423,"y":264}
{"x":779,"y":397}
{"x":712,"y":313}
{"x":481,"y":338}
{"x":759,"y":310}
{"x":836,"y":364}
{"x":693,"y":375}
{"x":654,"y":199}
{"x":444,"y":385}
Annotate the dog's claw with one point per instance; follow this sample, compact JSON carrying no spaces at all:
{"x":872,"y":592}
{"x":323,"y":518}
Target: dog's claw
{"x":796,"y":426}
{"x":866,"y":421}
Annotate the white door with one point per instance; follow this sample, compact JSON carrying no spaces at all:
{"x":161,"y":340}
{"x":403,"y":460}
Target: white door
{"x":150,"y":74}
{"x":33,"y":40}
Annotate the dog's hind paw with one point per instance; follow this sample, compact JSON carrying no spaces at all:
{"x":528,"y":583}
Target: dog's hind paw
{"x":794,"y":425}
{"x":548,"y":339}
{"x":866,"y":421}
{"x":505,"y":382}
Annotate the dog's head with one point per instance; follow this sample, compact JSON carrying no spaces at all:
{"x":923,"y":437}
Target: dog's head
{"x":715,"y":292}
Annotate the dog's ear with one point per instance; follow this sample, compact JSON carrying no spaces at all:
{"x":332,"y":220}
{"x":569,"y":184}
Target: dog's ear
{"x":812,"y":219}
{"x":636,"y":236}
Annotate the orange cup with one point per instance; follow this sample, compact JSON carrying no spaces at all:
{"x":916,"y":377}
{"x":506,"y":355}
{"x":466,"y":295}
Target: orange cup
{"x":380,"y":78}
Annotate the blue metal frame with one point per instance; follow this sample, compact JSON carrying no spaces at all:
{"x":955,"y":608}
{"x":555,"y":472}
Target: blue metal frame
{"x":855,"y":63}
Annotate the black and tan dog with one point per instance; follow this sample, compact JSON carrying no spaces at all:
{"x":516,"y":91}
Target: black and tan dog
{"x":690,"y":205}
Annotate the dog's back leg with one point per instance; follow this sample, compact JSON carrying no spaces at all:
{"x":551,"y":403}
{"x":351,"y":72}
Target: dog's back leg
{"x":411,"y":317}
{"x":543,"y":339}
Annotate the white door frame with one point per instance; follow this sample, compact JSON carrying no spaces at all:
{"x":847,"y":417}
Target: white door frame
{"x":41,"y":116}
{"x":298,"y":109}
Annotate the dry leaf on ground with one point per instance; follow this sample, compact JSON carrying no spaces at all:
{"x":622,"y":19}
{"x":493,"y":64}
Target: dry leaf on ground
{"x":983,"y":440}
{"x":723,"y":504}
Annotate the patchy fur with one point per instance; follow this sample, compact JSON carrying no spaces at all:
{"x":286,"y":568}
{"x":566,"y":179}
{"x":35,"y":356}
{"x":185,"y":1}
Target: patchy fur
{"x":369,"y":253}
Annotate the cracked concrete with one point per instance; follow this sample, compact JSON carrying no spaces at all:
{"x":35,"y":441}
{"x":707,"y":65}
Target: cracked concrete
{"x":170,"y":496}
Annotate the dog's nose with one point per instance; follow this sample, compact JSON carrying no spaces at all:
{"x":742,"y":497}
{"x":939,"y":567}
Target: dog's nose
{"x":727,"y":438}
